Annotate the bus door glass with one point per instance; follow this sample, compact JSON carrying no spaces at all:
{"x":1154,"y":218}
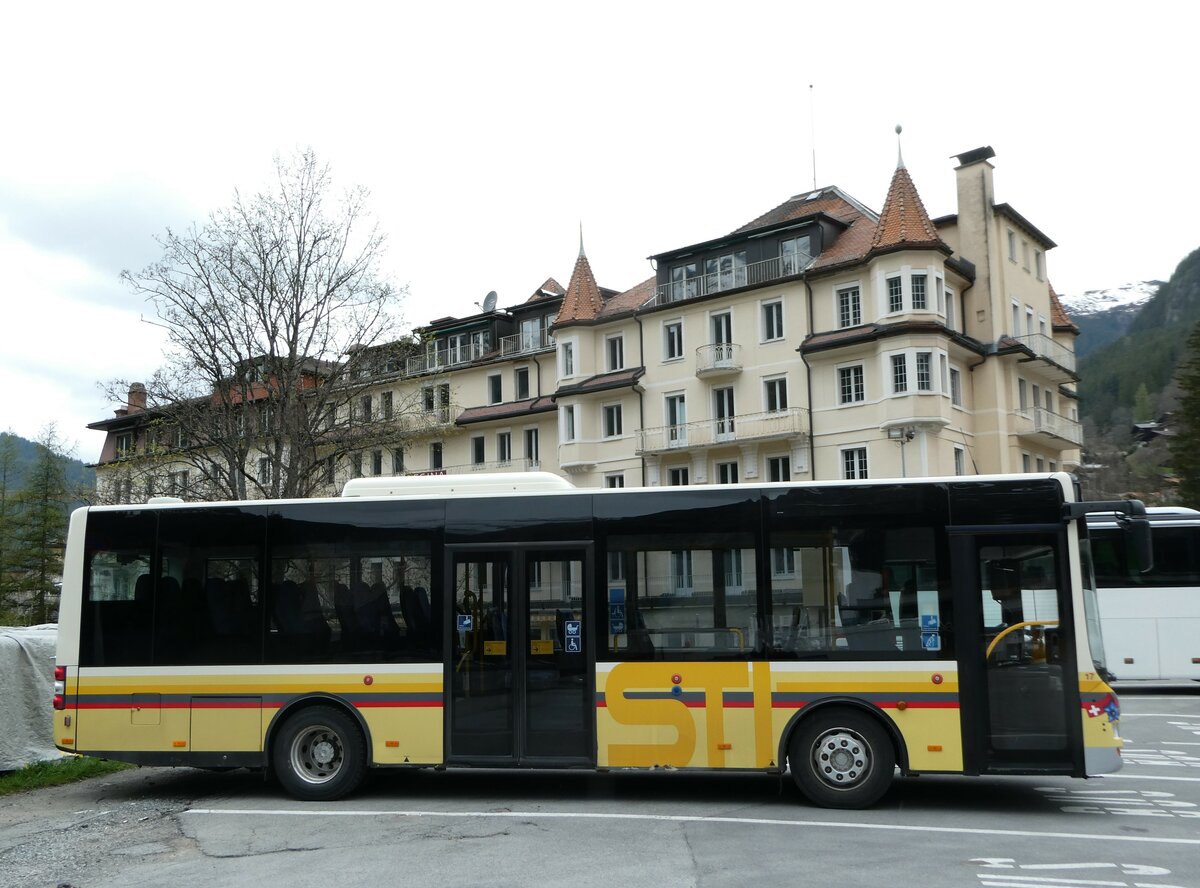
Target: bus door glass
{"x":518,"y":668}
{"x":1023,"y":675}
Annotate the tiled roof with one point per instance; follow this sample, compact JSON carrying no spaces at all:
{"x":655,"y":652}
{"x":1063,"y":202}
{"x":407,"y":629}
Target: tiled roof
{"x":904,"y":222}
{"x":548,"y":290}
{"x":583,"y":301}
{"x":603,"y":382}
{"x":1059,"y":319}
{"x":631,"y":299}
{"x":829,"y":201}
{"x":505,"y":411}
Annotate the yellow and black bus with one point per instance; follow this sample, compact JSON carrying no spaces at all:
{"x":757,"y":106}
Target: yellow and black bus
{"x":838,"y":630}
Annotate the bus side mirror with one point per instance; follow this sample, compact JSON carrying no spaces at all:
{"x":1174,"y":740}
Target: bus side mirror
{"x":1137,"y":542}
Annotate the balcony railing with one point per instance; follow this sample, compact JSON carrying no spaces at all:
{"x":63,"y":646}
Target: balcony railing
{"x":526,"y":343}
{"x":1048,"y":425}
{"x":1045,"y":347}
{"x":751,"y":275}
{"x":720,"y":357}
{"x":739,"y":428}
{"x":443,"y":358}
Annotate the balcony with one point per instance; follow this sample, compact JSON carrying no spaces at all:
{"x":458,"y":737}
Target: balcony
{"x":752,"y":275}
{"x":525,"y":343}
{"x":1047,"y":428}
{"x":739,"y":429}
{"x":1060,"y":360}
{"x":718,"y":359}
{"x":447,"y":358}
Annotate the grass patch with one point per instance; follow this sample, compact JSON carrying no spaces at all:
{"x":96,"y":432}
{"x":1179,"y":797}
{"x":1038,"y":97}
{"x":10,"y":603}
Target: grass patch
{"x":65,"y":770}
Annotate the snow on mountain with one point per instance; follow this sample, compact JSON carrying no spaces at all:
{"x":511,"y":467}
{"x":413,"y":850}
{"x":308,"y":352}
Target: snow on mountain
{"x":1127,"y":297}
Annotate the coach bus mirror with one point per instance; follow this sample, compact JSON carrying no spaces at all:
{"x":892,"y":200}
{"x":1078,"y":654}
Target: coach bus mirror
{"x":1137,"y":541}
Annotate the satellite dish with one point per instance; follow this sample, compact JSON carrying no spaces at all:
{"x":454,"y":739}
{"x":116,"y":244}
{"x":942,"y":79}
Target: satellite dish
{"x":489,"y":301}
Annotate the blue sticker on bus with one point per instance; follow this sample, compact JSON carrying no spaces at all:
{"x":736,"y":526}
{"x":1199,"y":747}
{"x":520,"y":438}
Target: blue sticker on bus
{"x":931,"y":641}
{"x":929,"y":622}
{"x":573,"y":627}
{"x":574,"y":644}
{"x":466,"y":622}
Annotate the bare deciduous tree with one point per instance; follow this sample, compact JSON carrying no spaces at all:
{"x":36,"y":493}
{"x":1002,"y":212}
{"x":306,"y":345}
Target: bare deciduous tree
{"x":277,"y":315}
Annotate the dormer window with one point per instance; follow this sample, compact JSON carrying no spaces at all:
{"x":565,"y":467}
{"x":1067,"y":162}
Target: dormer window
{"x":725,"y":272}
{"x":124,"y":444}
{"x":684,"y":282}
{"x":794,"y":254}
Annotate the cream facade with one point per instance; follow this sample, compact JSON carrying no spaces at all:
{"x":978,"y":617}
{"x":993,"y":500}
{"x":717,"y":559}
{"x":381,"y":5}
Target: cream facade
{"x":820,"y":341}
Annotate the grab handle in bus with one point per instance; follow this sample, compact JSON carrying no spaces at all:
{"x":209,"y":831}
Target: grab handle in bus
{"x":1013,"y":628}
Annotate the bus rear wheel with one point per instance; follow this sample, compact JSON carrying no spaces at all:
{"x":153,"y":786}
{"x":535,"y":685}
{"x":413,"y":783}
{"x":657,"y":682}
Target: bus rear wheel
{"x":320,"y":754}
{"x":842,"y":759}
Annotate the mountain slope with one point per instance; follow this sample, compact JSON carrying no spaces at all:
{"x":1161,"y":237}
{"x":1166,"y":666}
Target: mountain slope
{"x":1147,"y":353}
{"x":1104,"y":316}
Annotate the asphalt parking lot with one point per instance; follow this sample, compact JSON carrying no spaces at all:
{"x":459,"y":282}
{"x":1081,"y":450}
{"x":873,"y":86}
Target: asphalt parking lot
{"x":179,"y":827}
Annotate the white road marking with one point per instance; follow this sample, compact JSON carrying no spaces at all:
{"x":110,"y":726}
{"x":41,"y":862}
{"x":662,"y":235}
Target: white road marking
{"x":1149,"y":777}
{"x":688,"y":818}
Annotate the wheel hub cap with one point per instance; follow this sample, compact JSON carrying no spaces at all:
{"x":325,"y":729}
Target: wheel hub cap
{"x":323,"y":752}
{"x":841,"y":758}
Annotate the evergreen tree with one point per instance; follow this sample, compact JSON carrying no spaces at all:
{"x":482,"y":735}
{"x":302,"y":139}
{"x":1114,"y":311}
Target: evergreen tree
{"x":8,"y":485}
{"x":40,"y":528}
{"x":1185,"y":455}
{"x":1143,"y":405}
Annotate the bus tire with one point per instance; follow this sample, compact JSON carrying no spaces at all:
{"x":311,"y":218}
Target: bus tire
{"x":841,"y":758}
{"x":320,"y":754}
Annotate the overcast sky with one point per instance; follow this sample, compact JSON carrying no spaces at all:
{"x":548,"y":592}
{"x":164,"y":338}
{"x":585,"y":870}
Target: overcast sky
{"x":487,"y":133}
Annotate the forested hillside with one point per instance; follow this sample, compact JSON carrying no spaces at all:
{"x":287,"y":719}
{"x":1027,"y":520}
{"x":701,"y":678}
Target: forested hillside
{"x":1147,"y":355}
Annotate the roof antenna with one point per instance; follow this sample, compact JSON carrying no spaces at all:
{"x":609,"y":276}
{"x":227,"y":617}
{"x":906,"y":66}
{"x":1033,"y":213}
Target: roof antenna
{"x":899,"y":153}
{"x":812,"y":129}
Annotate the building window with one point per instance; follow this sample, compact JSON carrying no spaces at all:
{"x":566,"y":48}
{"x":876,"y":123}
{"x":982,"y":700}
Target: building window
{"x":568,"y":421}
{"x":330,"y":469}
{"x":677,"y":477}
{"x":612,"y":421}
{"x":504,"y":447}
{"x":398,"y":461}
{"x":956,"y":387}
{"x":521,"y":383}
{"x":356,"y":465}
{"x":727,"y":473}
{"x":495,"y":390}
{"x":960,"y":461}
{"x":124,"y":444}
{"x":567,"y":356}
{"x":676,"y":410}
{"x":779,"y":468}
{"x":1025,"y":255}
{"x":377,"y":462}
{"x":725,"y":272}
{"x":895,"y":288}
{"x":722,"y":331}
{"x":939,"y":290}
{"x":1012,"y":246}
{"x":681,"y":572}
{"x":684,"y":281}
{"x":1041,"y":465}
{"x":1016,"y":318}
{"x":435,"y":455}
{"x":1022,"y":395}
{"x":772,"y":320}
{"x":531,"y":447}
{"x":924,"y":371}
{"x":616,"y":479}
{"x":724,"y":413}
{"x":672,"y":340}
{"x":1029,"y":320}
{"x":951,"y":311}
{"x":177,"y":483}
{"x":854,"y":463}
{"x":851,"y":389}
{"x":1025,"y":462}
{"x":614,"y":348}
{"x":364,"y":408}
{"x":919,"y":302}
{"x":899,"y":374}
{"x":775,"y":394}
{"x":264,"y":470}
{"x":1039,"y":263}
{"x":849,"y":307}
{"x":477,"y":450}
{"x":385,"y":405}
{"x":783,"y":562}
{"x":794,"y":254}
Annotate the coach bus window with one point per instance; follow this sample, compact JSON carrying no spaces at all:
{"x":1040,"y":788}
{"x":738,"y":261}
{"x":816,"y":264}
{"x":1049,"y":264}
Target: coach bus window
{"x":682,"y":595}
{"x":871,"y":591}
{"x":344,"y":593}
{"x":209,"y":595}
{"x":118,"y":608}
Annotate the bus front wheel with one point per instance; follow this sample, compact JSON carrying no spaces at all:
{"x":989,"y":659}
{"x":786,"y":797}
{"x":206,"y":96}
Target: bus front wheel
{"x":320,"y":754}
{"x":841,"y":759}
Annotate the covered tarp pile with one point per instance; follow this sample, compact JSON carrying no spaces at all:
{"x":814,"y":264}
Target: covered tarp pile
{"x":26,"y":695}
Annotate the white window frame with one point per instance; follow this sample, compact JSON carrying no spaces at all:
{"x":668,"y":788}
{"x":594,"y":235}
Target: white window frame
{"x":770,"y":314}
{"x":478,"y":450}
{"x":899,"y":375}
{"x":612,"y":420}
{"x":960,"y":460}
{"x":861,"y":384}
{"x":924,"y":377}
{"x":568,"y":358}
{"x":923,"y":277}
{"x":520,"y":373}
{"x":667,"y":328}
{"x":853,"y":294}
{"x":783,"y":463}
{"x":614,"y":480}
{"x":773,"y":388}
{"x":894,"y":291}
{"x":504,"y":447}
{"x":495,"y":388}
{"x":570,"y":425}
{"x":956,"y":395}
{"x":861,"y":456}
{"x":614,"y":352}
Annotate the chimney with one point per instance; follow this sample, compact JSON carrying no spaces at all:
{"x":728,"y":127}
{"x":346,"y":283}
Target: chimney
{"x":976,"y":197}
{"x":137,"y":398}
